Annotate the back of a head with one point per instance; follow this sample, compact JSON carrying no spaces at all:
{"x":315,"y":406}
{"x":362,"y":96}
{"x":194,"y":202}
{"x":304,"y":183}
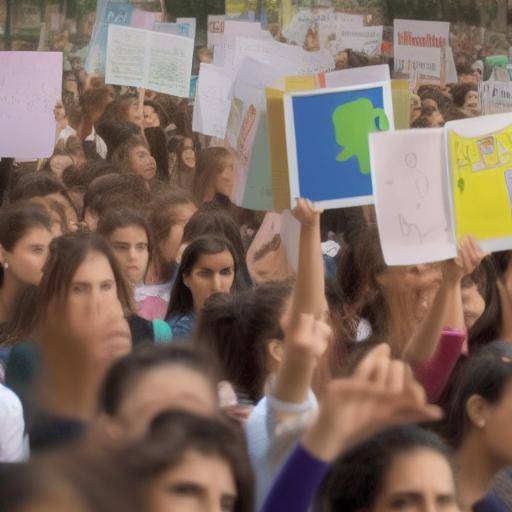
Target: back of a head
{"x":485,"y":374}
{"x":35,"y":184}
{"x":124,"y":374}
{"x":115,"y":133}
{"x":236,"y":328}
{"x":354,"y":481}
{"x":103,"y":191}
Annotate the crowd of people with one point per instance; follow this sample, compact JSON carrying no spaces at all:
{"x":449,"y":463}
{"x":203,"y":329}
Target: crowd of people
{"x":153,"y":359}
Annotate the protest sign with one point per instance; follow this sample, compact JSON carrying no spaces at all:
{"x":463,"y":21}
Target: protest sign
{"x":114,"y":13}
{"x":30,"y":85}
{"x":215,"y":30}
{"x":327,"y":142}
{"x":253,"y":184}
{"x":417,"y":46}
{"x":213,"y":101}
{"x":401,"y":104}
{"x":367,"y":40}
{"x":155,"y":61}
{"x":495,"y":97}
{"x":178,"y":29}
{"x":191,"y":22}
{"x":480,"y":158}
{"x":409,"y":183}
{"x":421,"y":217}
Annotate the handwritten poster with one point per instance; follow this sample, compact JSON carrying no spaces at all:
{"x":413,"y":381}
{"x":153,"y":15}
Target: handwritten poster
{"x":417,"y":46}
{"x":367,"y":40}
{"x":30,"y":85}
{"x":191,"y":22}
{"x":143,"y":58}
{"x":215,"y":29}
{"x":213,"y":101}
{"x":327,"y":141}
{"x":409,"y":188}
{"x":495,"y":97}
{"x":480,"y":163}
{"x":108,"y":13}
{"x":253,"y":183}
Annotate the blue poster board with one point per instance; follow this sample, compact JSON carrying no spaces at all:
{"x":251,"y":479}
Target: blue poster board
{"x":327,"y":142}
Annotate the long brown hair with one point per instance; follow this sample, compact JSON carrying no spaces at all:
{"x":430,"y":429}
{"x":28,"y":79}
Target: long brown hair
{"x":67,"y":253}
{"x":211,"y":162}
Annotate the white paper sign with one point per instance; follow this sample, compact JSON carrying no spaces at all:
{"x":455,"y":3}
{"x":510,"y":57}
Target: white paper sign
{"x":143,"y":58}
{"x":356,"y":76}
{"x":30,"y":85}
{"x":417,"y":45}
{"x":409,"y":188}
{"x":215,"y":30}
{"x":212,"y":102}
{"x":495,"y":97}
{"x":366,"y":40}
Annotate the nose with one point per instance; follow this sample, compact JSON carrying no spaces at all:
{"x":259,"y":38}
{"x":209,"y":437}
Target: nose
{"x":216,"y":283}
{"x":132,"y":254}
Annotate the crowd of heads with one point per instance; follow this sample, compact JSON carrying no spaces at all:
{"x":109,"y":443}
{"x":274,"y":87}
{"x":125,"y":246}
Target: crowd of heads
{"x":168,"y":358}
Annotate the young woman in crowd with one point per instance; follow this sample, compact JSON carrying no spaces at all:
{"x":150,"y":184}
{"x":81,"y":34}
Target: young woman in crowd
{"x":476,"y":423}
{"x":215,"y":176}
{"x":169,"y":213}
{"x":82,"y":278}
{"x":133,"y":155}
{"x":216,"y":221}
{"x":191,"y":462}
{"x":184,"y":169}
{"x":136,"y":390}
{"x":25,"y":235}
{"x":208,"y":266}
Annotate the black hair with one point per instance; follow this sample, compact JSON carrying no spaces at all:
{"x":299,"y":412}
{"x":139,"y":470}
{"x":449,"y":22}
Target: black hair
{"x":485,"y":374}
{"x":355,"y":480}
{"x":16,"y":220}
{"x":235,"y":328}
{"x":216,"y":221}
{"x":181,"y":301}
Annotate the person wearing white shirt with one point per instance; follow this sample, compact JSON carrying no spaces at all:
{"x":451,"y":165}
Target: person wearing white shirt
{"x":13,"y":445}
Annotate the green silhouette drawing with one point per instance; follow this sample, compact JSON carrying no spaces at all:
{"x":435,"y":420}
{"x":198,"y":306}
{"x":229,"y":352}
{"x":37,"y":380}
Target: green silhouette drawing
{"x":353,"y":122}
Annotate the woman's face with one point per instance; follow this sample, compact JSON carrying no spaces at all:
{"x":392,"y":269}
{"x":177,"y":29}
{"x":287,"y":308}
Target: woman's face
{"x":58,"y":163}
{"x":92,"y":289}
{"x":131,"y":247}
{"x":188,"y":156}
{"x":170,"y":247}
{"x":142,"y":163}
{"x":135,"y":115}
{"x":200,"y":483}
{"x":151,"y":395}
{"x":26,"y":259}
{"x":417,"y":481}
{"x":59,"y":112}
{"x":471,"y":101}
{"x":473,"y":304}
{"x":225,"y":178}
{"x":212,"y":273}
{"x":417,"y":284}
{"x":151,"y":119}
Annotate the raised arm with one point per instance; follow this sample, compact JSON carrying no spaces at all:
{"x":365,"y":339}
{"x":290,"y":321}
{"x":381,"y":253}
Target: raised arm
{"x":306,"y":336}
{"x":446,"y":311}
{"x":381,"y":394}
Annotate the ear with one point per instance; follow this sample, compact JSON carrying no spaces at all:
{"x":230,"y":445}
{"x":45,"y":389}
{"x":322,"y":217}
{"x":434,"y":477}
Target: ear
{"x":2,"y":255}
{"x":186,"y":280}
{"x":276,"y":351}
{"x":477,"y":410}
